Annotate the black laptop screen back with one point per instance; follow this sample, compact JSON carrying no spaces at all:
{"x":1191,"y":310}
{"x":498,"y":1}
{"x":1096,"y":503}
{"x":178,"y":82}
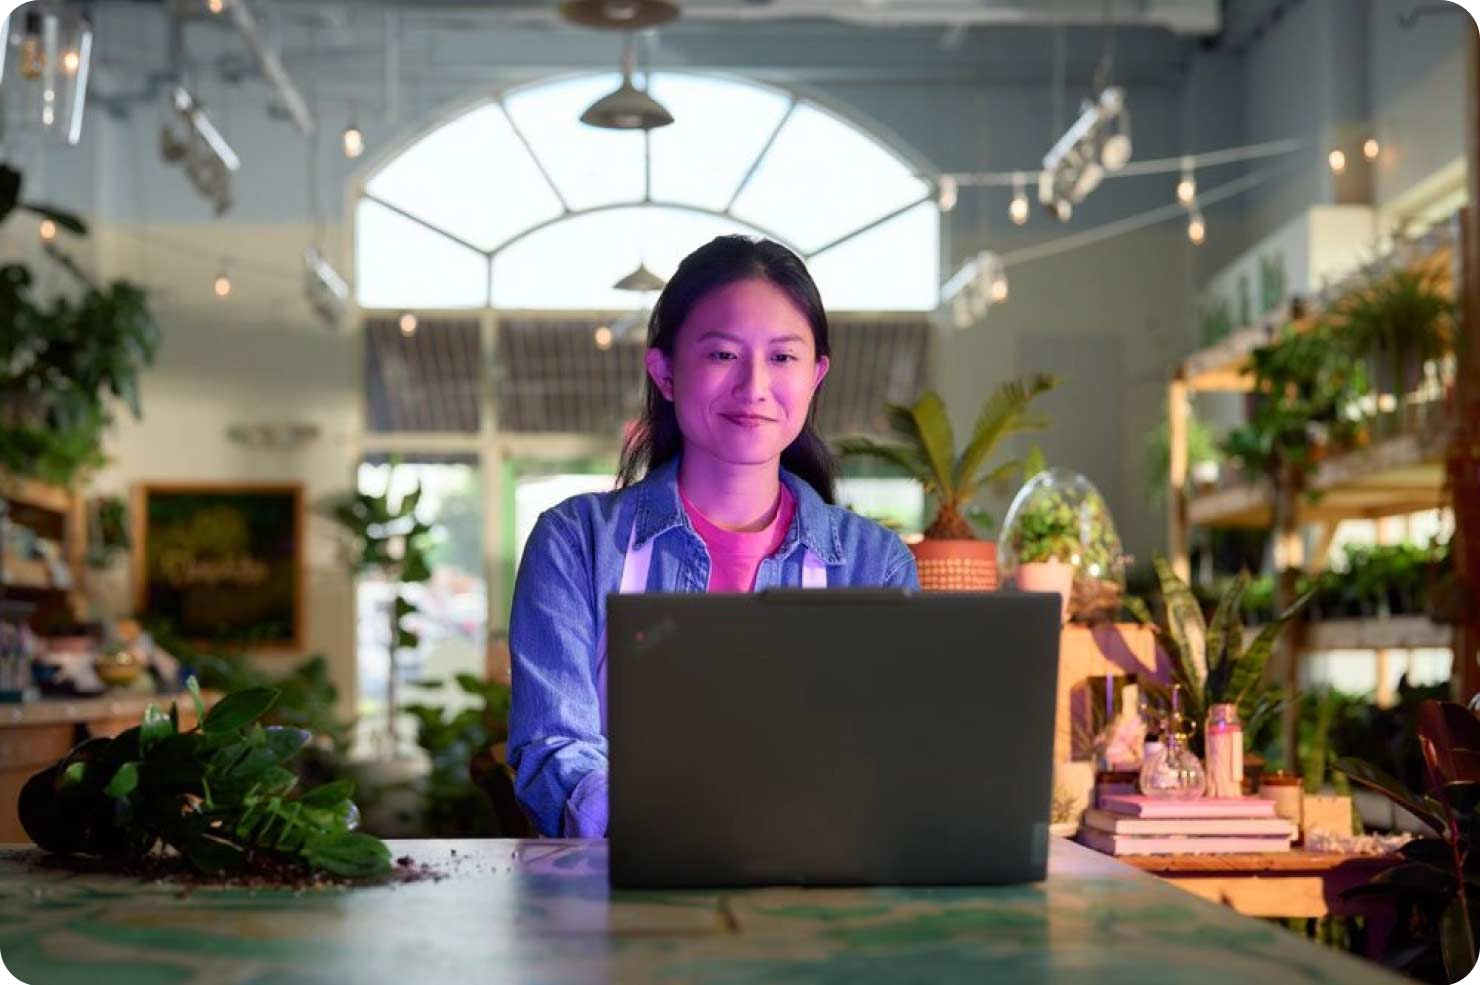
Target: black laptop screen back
{"x":847,"y":737}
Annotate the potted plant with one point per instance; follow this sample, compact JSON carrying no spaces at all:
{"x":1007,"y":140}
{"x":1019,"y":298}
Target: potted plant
{"x":1204,"y":458}
{"x":391,"y":542}
{"x":1436,"y":887}
{"x":1209,"y":658}
{"x":62,"y":362}
{"x":1045,"y":541}
{"x":951,"y":557}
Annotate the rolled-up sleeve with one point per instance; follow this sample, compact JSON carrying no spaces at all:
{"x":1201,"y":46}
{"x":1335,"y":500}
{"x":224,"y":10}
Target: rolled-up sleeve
{"x":555,"y":740}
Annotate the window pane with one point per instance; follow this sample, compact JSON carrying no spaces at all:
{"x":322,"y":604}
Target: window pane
{"x":430,"y":381}
{"x":893,"y":267}
{"x":896,"y":502}
{"x":536,"y":494}
{"x":452,"y":605}
{"x":719,"y":127}
{"x":472,"y":177}
{"x":589,"y":165}
{"x":822,"y":179}
{"x":402,"y":264}
{"x":573,"y":264}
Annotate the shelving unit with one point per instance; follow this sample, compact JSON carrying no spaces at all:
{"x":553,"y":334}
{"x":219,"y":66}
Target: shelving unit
{"x":1398,"y":474}
{"x":55,"y":513}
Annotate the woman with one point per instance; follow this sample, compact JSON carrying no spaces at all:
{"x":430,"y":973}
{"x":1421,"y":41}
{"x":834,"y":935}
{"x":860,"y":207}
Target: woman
{"x":734,"y":496}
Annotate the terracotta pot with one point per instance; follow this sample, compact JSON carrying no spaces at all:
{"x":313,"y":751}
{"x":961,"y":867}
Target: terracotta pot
{"x":1048,"y":576}
{"x":956,"y":565}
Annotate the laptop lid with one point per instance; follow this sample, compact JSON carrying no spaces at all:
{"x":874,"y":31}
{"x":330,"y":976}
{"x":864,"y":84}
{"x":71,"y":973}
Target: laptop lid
{"x":845,"y":737}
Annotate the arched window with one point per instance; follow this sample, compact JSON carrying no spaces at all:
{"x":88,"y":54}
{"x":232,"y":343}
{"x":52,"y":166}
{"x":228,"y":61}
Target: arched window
{"x":515,"y":204}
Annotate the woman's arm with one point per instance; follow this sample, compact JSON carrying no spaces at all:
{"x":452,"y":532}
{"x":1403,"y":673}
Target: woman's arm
{"x":555,"y":740}
{"x":901,"y":571}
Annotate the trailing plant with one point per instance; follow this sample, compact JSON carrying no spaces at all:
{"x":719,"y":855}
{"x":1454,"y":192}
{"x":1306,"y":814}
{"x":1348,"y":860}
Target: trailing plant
{"x":1436,"y":888}
{"x":389,"y":541}
{"x":1402,"y":318}
{"x":924,"y":446}
{"x":221,"y":794}
{"x":1209,"y":658}
{"x":62,"y":363}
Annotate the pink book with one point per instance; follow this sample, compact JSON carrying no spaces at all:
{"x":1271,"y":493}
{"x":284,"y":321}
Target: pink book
{"x":1111,"y":844}
{"x":1119,"y":824}
{"x":1202,"y":807}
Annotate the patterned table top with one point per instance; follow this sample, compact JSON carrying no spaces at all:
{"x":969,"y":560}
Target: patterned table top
{"x":541,"y":911}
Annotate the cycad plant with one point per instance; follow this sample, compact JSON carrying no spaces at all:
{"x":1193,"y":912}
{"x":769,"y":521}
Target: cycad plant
{"x":924,"y":445}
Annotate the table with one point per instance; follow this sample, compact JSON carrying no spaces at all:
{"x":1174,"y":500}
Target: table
{"x":1297,"y":883}
{"x":541,"y":911}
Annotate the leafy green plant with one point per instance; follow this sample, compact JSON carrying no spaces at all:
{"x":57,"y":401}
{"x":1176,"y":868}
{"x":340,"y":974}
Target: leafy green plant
{"x":1403,"y":317}
{"x":221,"y":794}
{"x":1202,"y":449}
{"x":924,"y":446}
{"x":108,"y":533}
{"x":454,"y":805}
{"x":62,"y":363}
{"x":392,"y":542}
{"x":1436,"y":889}
{"x":1209,"y":658}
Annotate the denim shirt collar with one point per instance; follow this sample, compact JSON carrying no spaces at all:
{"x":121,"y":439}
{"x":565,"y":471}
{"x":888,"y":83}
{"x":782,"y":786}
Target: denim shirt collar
{"x":660,"y":510}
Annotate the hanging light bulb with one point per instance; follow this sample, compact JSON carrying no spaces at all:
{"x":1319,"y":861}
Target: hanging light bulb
{"x":999,"y":287}
{"x":1371,"y":148}
{"x":354,"y":142}
{"x":603,"y":337}
{"x":1197,"y":228}
{"x":222,"y":286}
{"x":946,"y":193}
{"x":1063,"y":208}
{"x":215,"y":6}
{"x":71,"y":61}
{"x":48,"y":230}
{"x":1187,"y":187}
{"x":408,"y":324}
{"x":1337,"y":160}
{"x":1018,"y":210}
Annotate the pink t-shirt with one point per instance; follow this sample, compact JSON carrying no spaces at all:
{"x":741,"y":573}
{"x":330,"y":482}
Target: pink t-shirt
{"x":735,"y":556}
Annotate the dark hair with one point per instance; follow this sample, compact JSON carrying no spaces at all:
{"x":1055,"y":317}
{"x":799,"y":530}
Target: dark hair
{"x":724,"y":260}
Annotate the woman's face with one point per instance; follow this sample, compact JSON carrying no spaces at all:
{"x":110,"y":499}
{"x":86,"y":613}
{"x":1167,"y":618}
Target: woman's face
{"x":743,"y":372}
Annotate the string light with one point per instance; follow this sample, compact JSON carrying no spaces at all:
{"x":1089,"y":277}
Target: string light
{"x":222,"y":286}
{"x":1371,"y":148}
{"x":603,"y":337}
{"x":999,"y":287}
{"x":946,"y":193}
{"x":408,"y":324}
{"x":1197,"y":228}
{"x":215,"y":6}
{"x":71,"y":61}
{"x":1337,"y":160}
{"x":1187,"y":187}
{"x":1018,"y":210}
{"x":354,"y":142}
{"x":48,"y":230}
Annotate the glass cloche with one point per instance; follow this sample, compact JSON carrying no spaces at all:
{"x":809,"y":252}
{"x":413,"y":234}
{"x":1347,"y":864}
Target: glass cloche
{"x":1059,"y":516}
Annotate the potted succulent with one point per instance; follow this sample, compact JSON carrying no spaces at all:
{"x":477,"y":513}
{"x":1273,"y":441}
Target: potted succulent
{"x":1059,"y":537}
{"x":951,"y":557}
{"x":1045,"y":541}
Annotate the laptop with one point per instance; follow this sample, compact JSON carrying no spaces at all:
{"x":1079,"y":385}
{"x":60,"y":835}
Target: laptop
{"x":830,"y":738}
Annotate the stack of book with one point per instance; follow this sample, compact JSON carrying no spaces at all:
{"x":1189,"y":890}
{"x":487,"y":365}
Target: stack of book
{"x":1127,"y":825}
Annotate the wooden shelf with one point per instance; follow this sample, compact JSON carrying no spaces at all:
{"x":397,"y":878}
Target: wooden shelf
{"x":27,"y":573}
{"x":1401,"y":475}
{"x":35,"y":493}
{"x":1392,"y":633}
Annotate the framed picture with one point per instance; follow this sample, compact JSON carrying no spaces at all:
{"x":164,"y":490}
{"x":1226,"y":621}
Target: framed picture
{"x":221,"y":563}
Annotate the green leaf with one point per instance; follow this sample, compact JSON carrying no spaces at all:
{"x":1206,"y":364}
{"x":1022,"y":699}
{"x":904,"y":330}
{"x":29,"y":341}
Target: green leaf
{"x":1000,"y":416}
{"x":155,"y":726}
{"x":66,"y":220}
{"x":1250,"y":666}
{"x":239,"y":709}
{"x":1392,"y":788}
{"x":200,"y":703}
{"x":414,"y":565}
{"x":1225,"y":618}
{"x":348,"y":853}
{"x":406,"y":639}
{"x":124,"y":782}
{"x":928,"y":427}
{"x":907,"y":459}
{"x":404,"y":607}
{"x":1185,"y":626}
{"x":328,"y":795}
{"x":213,"y":854}
{"x":73,"y":774}
{"x":283,"y":742}
{"x":1457,"y":941}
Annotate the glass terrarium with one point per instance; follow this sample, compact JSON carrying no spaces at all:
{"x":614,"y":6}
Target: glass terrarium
{"x":1060,"y":519}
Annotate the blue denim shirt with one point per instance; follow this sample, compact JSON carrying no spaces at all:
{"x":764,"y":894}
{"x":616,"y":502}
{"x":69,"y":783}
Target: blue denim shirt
{"x":573,"y":560}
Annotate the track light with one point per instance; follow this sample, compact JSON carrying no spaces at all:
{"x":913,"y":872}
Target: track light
{"x":970,"y":293}
{"x":945,"y":193}
{"x":201,"y":151}
{"x":327,"y":292}
{"x":1078,"y":162}
{"x":999,"y":287}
